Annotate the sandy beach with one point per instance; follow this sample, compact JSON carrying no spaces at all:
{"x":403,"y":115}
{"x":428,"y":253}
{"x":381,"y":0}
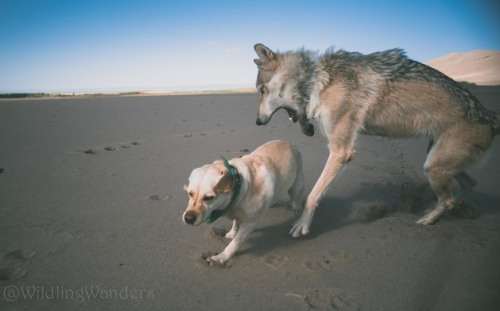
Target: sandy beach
{"x":91,"y":202}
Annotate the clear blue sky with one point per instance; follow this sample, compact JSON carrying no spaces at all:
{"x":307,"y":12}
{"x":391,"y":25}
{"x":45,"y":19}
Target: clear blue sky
{"x":99,"y":45}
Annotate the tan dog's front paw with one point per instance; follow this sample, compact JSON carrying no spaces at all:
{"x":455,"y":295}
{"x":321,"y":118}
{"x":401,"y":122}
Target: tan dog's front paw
{"x":234,"y":229}
{"x":231,"y":234}
{"x":218,"y":260}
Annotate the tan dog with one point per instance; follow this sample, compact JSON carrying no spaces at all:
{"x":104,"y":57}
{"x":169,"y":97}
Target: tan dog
{"x":384,"y":94}
{"x":242,"y":190}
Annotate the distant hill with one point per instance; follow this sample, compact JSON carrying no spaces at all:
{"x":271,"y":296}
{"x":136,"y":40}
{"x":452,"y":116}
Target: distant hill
{"x":481,"y":67}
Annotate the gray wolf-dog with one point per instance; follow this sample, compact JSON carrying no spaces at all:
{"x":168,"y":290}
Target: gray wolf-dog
{"x":385,"y":94}
{"x":243,"y":189}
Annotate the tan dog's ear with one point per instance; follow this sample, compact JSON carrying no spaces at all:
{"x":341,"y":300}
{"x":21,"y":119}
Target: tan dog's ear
{"x":225,"y":183}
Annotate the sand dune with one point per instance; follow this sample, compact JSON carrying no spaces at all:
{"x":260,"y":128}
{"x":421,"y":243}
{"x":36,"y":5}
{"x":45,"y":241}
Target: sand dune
{"x":481,"y":67}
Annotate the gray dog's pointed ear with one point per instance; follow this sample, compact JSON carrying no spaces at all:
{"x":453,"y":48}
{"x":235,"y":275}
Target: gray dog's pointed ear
{"x":265,"y":54}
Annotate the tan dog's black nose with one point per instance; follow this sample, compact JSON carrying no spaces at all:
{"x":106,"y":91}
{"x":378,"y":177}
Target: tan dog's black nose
{"x":190,"y":218}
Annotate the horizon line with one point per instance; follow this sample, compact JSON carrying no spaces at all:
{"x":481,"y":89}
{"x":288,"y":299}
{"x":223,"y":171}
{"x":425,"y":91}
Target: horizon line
{"x":132,"y":89}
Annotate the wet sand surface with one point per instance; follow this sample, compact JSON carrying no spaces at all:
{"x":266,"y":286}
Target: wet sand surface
{"x":91,"y":202}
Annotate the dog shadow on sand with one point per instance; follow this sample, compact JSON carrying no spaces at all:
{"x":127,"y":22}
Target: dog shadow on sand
{"x":361,"y":207}
{"x":368,"y":203}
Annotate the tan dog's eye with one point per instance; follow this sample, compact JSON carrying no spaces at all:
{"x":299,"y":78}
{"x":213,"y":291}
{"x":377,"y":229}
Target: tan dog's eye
{"x":208,"y":197}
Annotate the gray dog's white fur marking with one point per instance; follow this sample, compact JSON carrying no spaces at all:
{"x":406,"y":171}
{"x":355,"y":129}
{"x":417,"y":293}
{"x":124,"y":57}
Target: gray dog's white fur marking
{"x":384,"y":94}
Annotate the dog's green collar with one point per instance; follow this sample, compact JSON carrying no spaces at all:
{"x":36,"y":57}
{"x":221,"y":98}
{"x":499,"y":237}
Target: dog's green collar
{"x":236,"y":190}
